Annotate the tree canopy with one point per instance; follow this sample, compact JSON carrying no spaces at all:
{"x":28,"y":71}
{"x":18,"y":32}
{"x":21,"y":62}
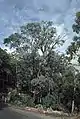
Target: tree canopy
{"x":43,"y":76}
{"x":6,"y":71}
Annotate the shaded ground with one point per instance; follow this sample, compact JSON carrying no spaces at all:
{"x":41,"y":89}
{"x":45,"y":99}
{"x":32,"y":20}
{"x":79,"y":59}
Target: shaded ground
{"x":3,"y":105}
{"x":8,"y":113}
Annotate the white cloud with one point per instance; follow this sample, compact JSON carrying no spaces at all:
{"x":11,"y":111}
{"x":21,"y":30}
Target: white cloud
{"x":14,"y":13}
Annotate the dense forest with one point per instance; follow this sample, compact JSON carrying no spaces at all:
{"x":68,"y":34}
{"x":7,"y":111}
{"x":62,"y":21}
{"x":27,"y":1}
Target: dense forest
{"x":35,"y":74}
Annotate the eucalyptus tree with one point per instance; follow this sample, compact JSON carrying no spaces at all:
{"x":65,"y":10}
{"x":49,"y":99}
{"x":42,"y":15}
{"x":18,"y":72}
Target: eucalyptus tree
{"x":39,"y":68}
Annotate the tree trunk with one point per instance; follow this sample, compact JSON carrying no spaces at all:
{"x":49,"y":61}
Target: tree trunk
{"x":72,"y":110}
{"x":73,"y":105}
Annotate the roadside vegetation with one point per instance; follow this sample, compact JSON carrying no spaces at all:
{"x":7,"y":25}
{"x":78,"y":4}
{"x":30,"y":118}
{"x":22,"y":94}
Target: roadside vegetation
{"x":35,"y":74}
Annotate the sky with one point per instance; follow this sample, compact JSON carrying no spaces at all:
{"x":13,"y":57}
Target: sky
{"x":14,"y":13}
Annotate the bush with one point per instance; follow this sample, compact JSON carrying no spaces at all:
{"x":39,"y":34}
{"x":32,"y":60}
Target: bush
{"x":20,"y":99}
{"x":49,"y":101}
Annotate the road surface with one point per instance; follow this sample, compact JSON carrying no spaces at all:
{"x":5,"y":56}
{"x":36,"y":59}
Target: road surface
{"x":11,"y":113}
{"x":8,"y":113}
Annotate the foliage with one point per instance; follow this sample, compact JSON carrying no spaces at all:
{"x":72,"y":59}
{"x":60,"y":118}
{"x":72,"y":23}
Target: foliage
{"x":44,"y":77}
{"x":75,"y":44}
{"x":73,"y":51}
{"x":49,"y":101}
{"x":20,"y":99}
{"x":6,"y":71}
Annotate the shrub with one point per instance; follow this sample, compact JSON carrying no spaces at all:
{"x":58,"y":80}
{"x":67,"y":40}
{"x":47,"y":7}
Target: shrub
{"x":51,"y":101}
{"x":20,"y":99}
